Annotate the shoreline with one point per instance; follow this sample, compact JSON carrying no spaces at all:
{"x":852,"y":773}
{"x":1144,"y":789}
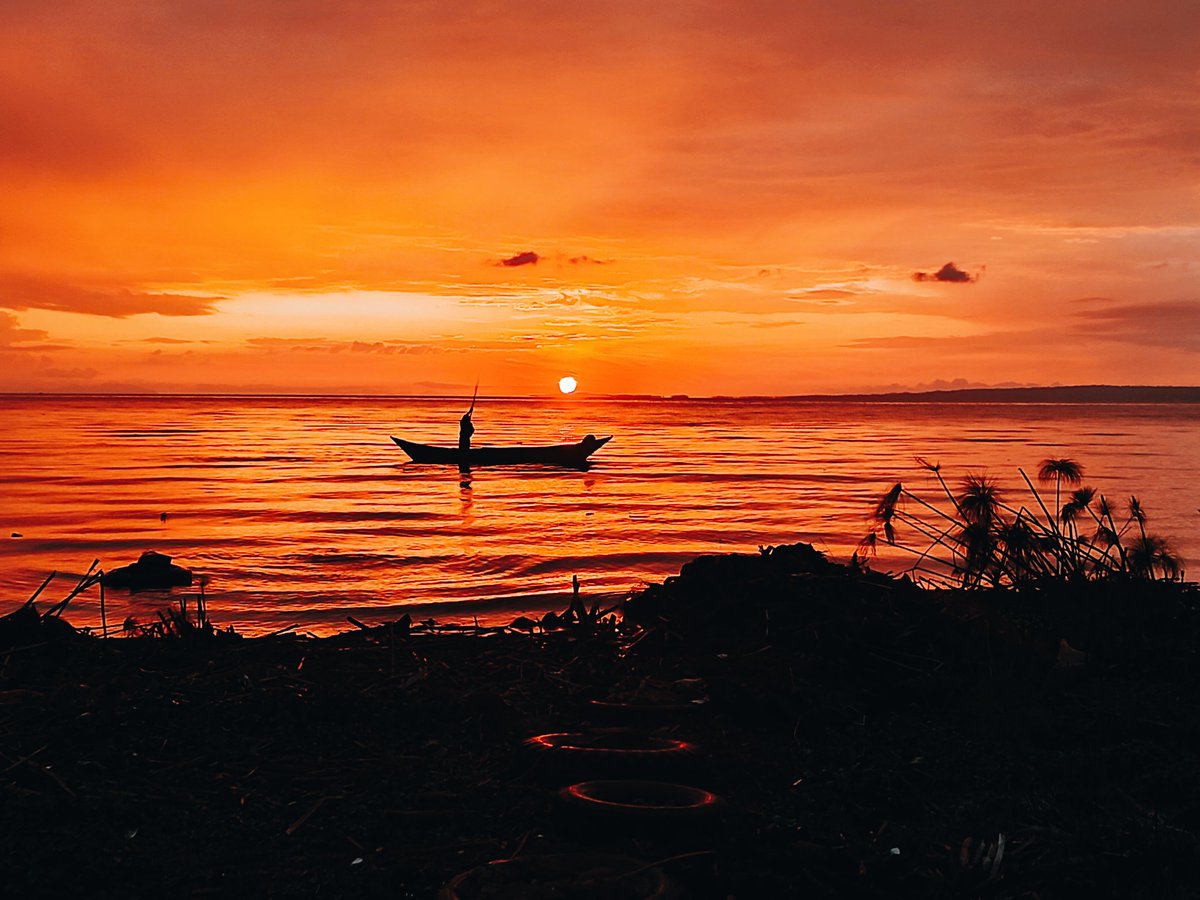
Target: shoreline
{"x":490,"y":611}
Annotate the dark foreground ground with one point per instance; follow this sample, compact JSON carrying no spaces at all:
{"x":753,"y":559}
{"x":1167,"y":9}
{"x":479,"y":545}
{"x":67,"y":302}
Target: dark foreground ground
{"x":868,"y":739}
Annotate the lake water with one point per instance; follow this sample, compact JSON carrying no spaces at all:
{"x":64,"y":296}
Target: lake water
{"x":300,"y":510}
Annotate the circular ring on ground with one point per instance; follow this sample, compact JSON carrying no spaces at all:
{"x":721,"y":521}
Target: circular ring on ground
{"x":641,"y":800}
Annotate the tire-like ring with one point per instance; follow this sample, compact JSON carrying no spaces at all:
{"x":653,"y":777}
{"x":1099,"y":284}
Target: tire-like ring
{"x":641,"y":800}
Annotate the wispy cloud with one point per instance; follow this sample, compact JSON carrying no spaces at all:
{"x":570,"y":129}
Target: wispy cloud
{"x":528,"y":258}
{"x":1172,"y":324}
{"x":74,"y":373}
{"x":170,"y":341}
{"x":323,"y":345}
{"x":966,"y":344}
{"x":13,"y":335}
{"x":1169,"y":325}
{"x":116,"y":301}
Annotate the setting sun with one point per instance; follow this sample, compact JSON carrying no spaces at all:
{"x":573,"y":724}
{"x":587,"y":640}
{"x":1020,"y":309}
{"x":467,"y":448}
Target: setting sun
{"x":567,"y":384}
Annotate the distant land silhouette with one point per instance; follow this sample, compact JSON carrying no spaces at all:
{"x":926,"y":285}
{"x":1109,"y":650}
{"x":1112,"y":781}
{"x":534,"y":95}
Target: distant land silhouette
{"x":1079,"y":393}
{"x":1082,"y":393}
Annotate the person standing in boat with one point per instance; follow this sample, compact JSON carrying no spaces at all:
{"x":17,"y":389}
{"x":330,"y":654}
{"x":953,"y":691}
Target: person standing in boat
{"x":465,"y":430}
{"x":465,"y":427}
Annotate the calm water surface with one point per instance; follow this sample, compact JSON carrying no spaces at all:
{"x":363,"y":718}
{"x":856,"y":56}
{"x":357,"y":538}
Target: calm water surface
{"x":301,"y":510}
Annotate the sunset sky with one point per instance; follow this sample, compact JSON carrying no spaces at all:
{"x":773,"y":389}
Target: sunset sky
{"x":656,"y":197}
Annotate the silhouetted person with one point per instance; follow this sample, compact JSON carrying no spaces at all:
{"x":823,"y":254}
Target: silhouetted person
{"x":465,"y":430}
{"x":576,"y":611}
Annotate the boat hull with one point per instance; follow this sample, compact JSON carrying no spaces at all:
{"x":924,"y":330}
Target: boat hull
{"x":572,"y":455}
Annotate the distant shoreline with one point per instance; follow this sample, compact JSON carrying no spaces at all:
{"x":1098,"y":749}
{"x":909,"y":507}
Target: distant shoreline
{"x":1087,"y":393}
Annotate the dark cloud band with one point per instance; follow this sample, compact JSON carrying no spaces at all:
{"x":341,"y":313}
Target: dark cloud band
{"x":949,"y":273}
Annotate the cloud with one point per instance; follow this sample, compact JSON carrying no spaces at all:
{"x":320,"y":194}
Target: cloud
{"x":1169,"y":324}
{"x":12,"y":335}
{"x":584,"y":260}
{"x":782,"y":323}
{"x":826,"y":300}
{"x":942,"y":384}
{"x":77,"y":373}
{"x":114,"y":301}
{"x":1002,"y":342}
{"x":528,"y":258}
{"x":823,"y":294}
{"x":947,"y":273}
{"x":168,"y":340}
{"x":325,"y":345}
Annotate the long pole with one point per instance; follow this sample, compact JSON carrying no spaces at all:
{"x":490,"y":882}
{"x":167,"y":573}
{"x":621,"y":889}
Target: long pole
{"x":474,"y":396}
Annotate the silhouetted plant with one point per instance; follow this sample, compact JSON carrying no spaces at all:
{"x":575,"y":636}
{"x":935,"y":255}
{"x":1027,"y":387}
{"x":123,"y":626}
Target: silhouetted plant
{"x":1150,"y":555}
{"x":984,"y":541}
{"x":1058,"y":471}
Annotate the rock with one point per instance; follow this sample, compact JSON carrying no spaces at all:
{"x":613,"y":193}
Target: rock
{"x":152,"y":571}
{"x":25,"y":626}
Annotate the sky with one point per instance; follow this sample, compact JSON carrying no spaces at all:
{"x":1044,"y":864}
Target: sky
{"x":674,"y":197}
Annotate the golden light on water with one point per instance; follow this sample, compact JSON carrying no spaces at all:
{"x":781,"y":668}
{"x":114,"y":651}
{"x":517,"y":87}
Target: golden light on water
{"x":567,"y":384}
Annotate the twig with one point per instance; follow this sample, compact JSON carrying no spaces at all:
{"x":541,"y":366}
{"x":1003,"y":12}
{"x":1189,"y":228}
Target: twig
{"x":25,"y":759}
{"x":291,"y":829}
{"x":34,"y":595}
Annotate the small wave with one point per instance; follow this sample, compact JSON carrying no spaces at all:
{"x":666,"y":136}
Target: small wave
{"x":391,"y":515}
{"x":756,"y":476}
{"x":366,"y":559}
{"x":152,"y":432}
{"x":93,"y":545}
{"x":511,"y":565}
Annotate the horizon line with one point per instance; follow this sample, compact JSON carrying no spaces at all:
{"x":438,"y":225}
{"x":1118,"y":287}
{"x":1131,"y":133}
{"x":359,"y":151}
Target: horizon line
{"x":902,"y":393}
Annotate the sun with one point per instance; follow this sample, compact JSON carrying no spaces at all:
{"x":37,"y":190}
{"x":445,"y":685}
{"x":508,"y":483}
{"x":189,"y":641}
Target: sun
{"x":567,"y":384}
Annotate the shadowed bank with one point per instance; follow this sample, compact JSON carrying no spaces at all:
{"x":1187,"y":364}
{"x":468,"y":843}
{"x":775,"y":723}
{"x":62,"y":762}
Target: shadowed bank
{"x":857,"y":735}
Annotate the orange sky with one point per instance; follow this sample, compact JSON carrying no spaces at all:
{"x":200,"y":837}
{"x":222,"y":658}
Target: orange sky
{"x":721,"y":197}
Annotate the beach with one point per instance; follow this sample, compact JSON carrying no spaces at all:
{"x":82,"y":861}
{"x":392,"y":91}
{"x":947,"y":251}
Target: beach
{"x":864,"y":737}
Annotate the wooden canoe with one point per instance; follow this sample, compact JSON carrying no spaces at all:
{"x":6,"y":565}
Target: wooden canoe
{"x":573,"y":455}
